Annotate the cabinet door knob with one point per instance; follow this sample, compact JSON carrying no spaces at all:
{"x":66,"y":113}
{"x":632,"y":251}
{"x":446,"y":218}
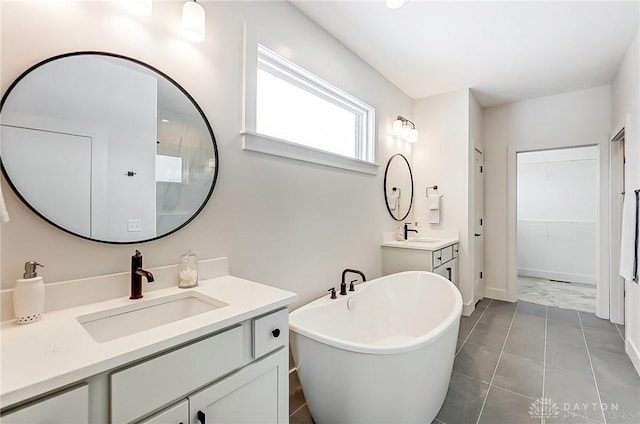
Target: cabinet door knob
{"x":202,"y":418}
{"x":276,"y":333}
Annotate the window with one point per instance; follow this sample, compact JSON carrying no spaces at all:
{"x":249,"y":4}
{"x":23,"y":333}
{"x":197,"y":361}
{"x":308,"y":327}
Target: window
{"x":317,"y":121}
{"x":169,"y":169}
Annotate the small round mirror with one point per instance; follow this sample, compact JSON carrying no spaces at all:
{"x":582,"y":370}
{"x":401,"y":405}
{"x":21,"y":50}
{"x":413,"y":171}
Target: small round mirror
{"x":398,"y":187}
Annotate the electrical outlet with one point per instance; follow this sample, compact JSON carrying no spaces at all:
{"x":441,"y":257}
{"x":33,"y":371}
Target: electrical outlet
{"x":134,"y":225}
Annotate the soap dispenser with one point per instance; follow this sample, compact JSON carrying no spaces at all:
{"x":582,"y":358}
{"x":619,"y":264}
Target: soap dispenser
{"x":28,"y":295}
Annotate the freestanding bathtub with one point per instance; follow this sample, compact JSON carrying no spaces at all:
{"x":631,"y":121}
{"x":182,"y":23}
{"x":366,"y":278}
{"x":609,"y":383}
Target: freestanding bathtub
{"x":381,"y":354}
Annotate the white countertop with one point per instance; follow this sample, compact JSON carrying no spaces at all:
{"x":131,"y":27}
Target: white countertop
{"x":427,"y":240}
{"x":57,"y":350}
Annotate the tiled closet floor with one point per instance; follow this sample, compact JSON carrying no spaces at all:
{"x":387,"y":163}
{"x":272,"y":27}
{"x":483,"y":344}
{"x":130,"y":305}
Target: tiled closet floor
{"x":580,"y":297}
{"x":510,"y":355}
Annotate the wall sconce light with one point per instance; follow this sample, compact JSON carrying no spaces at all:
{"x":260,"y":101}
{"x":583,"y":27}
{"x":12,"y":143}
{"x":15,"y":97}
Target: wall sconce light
{"x":193,"y":21}
{"x":138,"y":7}
{"x":405,"y":129}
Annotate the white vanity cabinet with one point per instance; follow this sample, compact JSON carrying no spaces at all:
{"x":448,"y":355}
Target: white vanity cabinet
{"x":238,"y":374}
{"x":442,"y":261}
{"x":226,"y":364}
{"x":244,"y":366}
{"x":70,"y":406}
{"x":254,"y":394}
{"x":178,"y":414}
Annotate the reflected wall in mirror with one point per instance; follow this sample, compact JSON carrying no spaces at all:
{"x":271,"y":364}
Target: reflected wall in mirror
{"x":398,"y":187}
{"x":106,"y":147}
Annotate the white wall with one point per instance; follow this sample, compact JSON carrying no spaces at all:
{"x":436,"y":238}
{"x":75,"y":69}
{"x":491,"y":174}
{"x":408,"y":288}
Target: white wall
{"x":626,"y":112}
{"x":286,"y":223}
{"x":558,"y":214}
{"x":441,"y":158}
{"x":570,"y":119}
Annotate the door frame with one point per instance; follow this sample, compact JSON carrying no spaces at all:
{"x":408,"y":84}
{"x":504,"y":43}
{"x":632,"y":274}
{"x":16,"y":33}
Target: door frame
{"x":478,"y":251}
{"x":602,"y":273}
{"x":616,"y":167}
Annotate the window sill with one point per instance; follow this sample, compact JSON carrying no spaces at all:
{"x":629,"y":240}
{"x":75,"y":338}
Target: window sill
{"x":275,"y":146}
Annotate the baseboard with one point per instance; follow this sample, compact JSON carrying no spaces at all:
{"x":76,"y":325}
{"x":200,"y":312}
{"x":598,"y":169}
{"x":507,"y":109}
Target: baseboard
{"x":634,"y":354}
{"x":560,"y":276}
{"x":468,"y":308}
{"x":498,"y":294}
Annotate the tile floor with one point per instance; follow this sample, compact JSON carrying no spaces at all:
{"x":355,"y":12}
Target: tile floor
{"x":580,"y":297}
{"x":511,"y":354}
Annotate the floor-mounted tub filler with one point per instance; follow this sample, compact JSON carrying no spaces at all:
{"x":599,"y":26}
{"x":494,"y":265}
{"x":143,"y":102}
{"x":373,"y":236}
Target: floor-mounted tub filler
{"x":381,"y":354}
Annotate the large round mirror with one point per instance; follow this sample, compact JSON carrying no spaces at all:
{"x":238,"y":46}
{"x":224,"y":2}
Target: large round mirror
{"x":398,"y":187}
{"x":106,"y":147}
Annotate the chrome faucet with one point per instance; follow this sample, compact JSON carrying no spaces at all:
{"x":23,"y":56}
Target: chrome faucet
{"x":407,"y":229}
{"x":343,"y":284}
{"x":136,"y":276}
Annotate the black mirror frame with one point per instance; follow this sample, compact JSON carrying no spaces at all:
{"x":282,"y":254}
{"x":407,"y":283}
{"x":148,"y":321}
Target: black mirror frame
{"x":386,"y":201}
{"x":172,"y":81}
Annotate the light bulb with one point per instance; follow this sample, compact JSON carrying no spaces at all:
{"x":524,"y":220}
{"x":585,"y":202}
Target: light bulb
{"x":138,"y":7}
{"x":193,"y":21}
{"x":395,"y":4}
{"x":406,"y":130}
{"x":413,"y":136}
{"x":396,"y":129}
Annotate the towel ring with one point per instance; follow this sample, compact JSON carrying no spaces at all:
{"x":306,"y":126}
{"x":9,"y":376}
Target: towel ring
{"x":435,"y":187}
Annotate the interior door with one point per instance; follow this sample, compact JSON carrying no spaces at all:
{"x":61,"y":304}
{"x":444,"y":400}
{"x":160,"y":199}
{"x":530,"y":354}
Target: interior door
{"x":478,"y":226}
{"x":53,"y":171}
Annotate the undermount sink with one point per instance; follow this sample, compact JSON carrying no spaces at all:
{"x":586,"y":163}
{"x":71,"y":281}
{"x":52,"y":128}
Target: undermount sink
{"x":144,"y":315}
{"x":423,"y":240}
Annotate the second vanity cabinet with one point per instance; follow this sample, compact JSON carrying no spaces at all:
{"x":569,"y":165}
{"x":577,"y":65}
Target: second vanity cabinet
{"x":442,"y":261}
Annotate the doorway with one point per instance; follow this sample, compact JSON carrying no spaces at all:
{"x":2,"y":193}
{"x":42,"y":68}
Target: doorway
{"x":557,"y":227}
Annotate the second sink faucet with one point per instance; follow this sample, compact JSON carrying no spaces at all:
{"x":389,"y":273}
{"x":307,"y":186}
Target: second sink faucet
{"x":407,"y":229}
{"x":343,"y":284}
{"x":136,"y":276}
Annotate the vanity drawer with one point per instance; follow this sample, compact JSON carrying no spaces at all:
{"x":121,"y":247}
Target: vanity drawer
{"x":165,"y":378}
{"x":442,"y":256}
{"x":270,"y":332}
{"x":447,"y":254}
{"x":436,"y":258}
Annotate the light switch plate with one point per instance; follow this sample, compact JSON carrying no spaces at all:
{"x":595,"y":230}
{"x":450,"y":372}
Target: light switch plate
{"x":134,"y":225}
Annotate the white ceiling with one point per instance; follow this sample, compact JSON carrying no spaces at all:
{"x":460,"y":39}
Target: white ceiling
{"x":505,"y":51}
